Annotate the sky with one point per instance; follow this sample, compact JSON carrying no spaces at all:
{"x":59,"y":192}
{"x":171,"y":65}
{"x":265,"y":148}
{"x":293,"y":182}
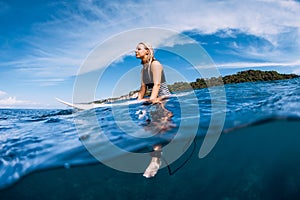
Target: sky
{"x":46,"y":45}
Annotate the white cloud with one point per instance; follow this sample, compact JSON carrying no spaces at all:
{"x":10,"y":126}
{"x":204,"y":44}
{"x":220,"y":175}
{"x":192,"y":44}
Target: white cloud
{"x":2,"y":93}
{"x":10,"y":101}
{"x":76,"y":30}
{"x":13,"y":102}
{"x":293,"y":66}
{"x":125,"y":43}
{"x":259,"y":64}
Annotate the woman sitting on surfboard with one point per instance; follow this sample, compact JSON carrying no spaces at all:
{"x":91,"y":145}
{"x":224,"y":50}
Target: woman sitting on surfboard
{"x":152,"y":79}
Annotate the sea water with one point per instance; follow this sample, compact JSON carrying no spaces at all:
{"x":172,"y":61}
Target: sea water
{"x":256,"y":157}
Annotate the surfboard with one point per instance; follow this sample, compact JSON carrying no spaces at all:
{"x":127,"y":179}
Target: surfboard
{"x":87,"y":106}
{"x":79,"y":106}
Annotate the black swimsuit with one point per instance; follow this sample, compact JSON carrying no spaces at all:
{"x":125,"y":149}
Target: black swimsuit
{"x":148,"y":80}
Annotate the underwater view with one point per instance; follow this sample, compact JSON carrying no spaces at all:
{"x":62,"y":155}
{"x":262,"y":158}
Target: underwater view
{"x":48,"y":153}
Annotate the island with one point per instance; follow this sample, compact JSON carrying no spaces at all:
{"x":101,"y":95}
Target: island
{"x":240,"y":77}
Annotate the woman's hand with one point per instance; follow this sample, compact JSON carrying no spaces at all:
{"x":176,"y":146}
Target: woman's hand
{"x":144,"y":99}
{"x":150,"y":101}
{"x":155,"y":100}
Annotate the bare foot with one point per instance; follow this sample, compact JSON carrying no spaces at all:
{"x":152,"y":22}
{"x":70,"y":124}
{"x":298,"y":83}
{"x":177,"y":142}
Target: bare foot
{"x":152,"y":168}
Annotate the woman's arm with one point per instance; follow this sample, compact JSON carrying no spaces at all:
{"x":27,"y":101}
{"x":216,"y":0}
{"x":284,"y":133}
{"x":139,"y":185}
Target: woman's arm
{"x":156,"y":69}
{"x":142,"y":88}
{"x":142,"y":91}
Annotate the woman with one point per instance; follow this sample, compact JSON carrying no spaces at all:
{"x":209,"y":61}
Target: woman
{"x":152,"y":79}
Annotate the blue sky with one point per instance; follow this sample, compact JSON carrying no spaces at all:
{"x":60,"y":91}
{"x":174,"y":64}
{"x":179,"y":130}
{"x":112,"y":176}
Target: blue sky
{"x":44,"y":44}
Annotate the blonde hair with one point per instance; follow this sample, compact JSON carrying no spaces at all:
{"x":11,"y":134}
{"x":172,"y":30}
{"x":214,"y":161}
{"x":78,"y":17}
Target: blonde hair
{"x":150,"y":57}
{"x":151,"y":51}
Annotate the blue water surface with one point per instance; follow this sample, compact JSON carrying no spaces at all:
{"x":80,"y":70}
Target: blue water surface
{"x":35,"y":139}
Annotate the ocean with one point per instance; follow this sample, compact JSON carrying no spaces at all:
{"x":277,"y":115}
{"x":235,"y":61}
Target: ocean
{"x":101,"y":153}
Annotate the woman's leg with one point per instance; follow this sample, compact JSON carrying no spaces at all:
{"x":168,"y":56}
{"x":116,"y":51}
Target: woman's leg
{"x":155,"y":163}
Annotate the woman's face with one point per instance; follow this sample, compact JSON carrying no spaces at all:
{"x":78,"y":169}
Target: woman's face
{"x":140,"y":51}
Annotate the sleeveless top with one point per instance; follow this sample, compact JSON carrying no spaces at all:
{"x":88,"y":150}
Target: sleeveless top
{"x":148,"y":80}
